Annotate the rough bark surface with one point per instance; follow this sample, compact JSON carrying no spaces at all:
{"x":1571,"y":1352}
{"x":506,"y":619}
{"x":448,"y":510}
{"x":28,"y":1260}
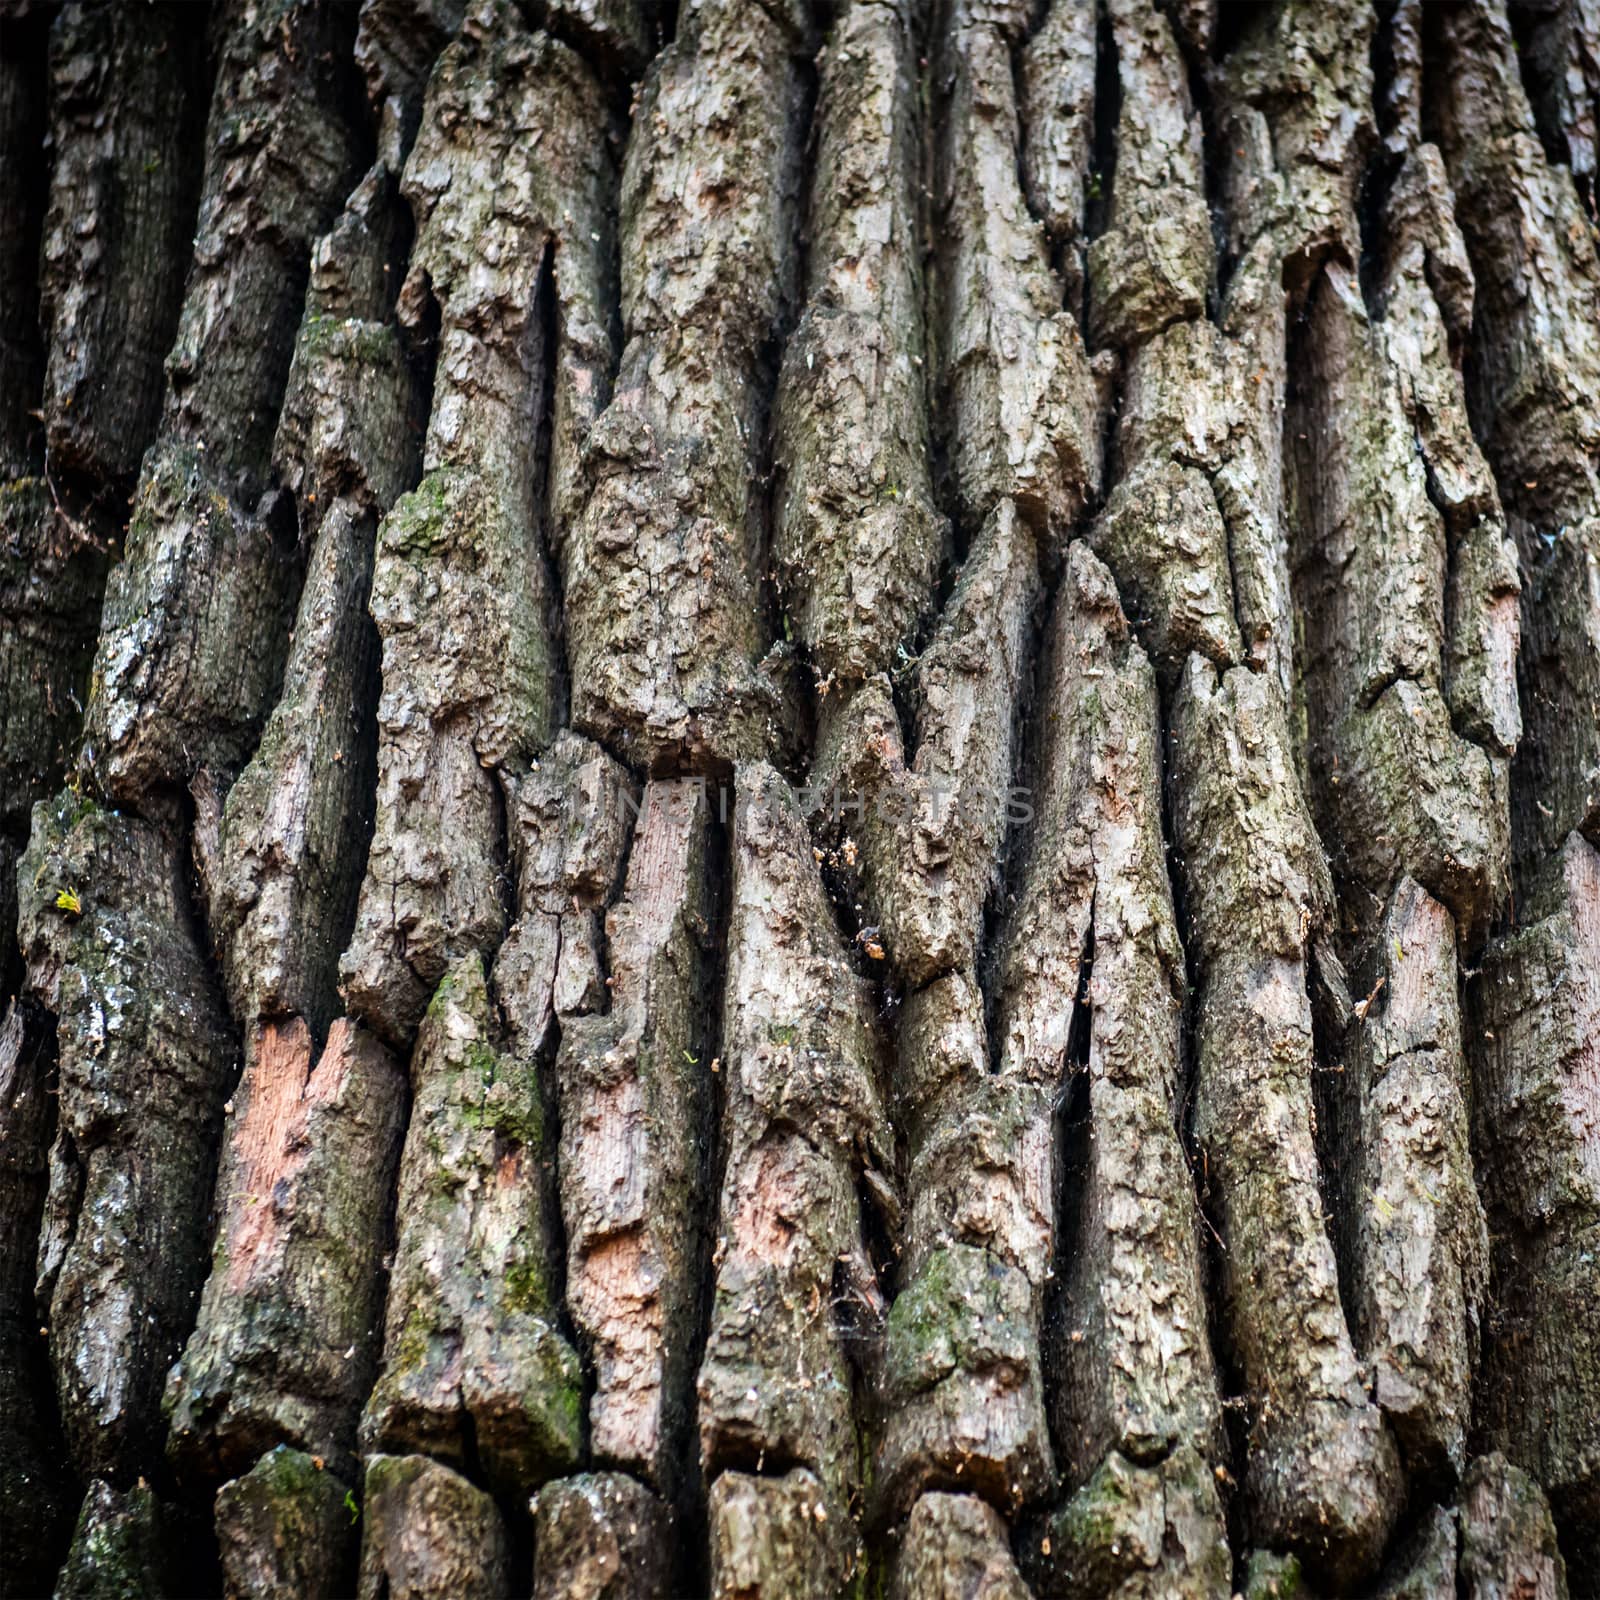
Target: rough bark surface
{"x":473,"y":1363}
{"x":601,"y":1536}
{"x":666,"y":631}
{"x":146,"y":1060}
{"x":428,"y":1534}
{"x":800,"y":799}
{"x":284,"y":1530}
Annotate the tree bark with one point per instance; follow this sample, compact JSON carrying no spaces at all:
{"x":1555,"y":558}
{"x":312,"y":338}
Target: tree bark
{"x":800,"y":798}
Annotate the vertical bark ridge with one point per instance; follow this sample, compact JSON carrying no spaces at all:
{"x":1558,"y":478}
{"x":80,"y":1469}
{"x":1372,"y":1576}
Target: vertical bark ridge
{"x":960,"y":1394}
{"x":666,"y":626}
{"x":805,"y":1137}
{"x":1532,"y":372}
{"x":288,"y":1335}
{"x":429,"y":1534}
{"x":600,"y":1534}
{"x":127,"y":113}
{"x":284,"y":1530}
{"x":160,"y":668}
{"x":636,"y":1134}
{"x":1193,"y":530}
{"x":475,"y":1371}
{"x":1407,"y":584}
{"x":1056,"y":105}
{"x":98,"y":224}
{"x":856,"y":537}
{"x":1135,"y":1403}
{"x":461,"y":592}
{"x":146,"y":1051}
{"x":1016,"y":407}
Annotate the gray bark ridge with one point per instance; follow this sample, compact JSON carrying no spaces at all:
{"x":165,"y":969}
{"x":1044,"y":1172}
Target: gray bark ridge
{"x":1321,"y":1469}
{"x":198,"y":610}
{"x":461,"y":593}
{"x":127,"y":108}
{"x":473,"y":1362}
{"x":1155,"y":262}
{"x":796,"y":1309}
{"x":1533,"y":376}
{"x":429,"y":1534}
{"x":285,"y":1532}
{"x":146,"y":1059}
{"x":1017,"y":412}
{"x":1136,"y":1384}
{"x":673,"y":666}
{"x":602,"y":1535}
{"x":635,"y":1093}
{"x":856,"y":536}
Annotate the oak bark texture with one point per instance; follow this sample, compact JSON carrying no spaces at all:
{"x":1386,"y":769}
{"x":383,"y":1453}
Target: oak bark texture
{"x":799,"y":798}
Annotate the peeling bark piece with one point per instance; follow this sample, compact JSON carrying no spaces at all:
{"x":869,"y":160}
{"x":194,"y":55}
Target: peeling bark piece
{"x":1295,"y":109}
{"x":1056,"y":93}
{"x":1018,"y":414}
{"x":1534,"y":1029}
{"x":24,"y":125}
{"x":569,"y":838}
{"x":1508,"y":1542}
{"x":955,"y":1547}
{"x":805,"y":1136}
{"x":636,"y":1127}
{"x":397,"y":43}
{"x":600,"y":1536}
{"x":664,"y":622}
{"x":116,"y":1547}
{"x":778,"y":1539}
{"x":285,"y":1347}
{"x":285,"y":1533}
{"x":127,"y":110}
{"x":1137,"y":1533}
{"x":931,"y":828}
{"x":51,"y":578}
{"x":280,"y":158}
{"x":1534,"y":372}
{"x":856,"y":533}
{"x":1396,"y":790}
{"x":193,"y":634}
{"x":460,"y":593}
{"x":472,"y":1359}
{"x":1321,"y":1472}
{"x":1155,"y":262}
{"x":1412,"y":1230}
{"x":146,"y":1057}
{"x":35,"y":1494}
{"x":428,"y":1534}
{"x":1095,"y":920}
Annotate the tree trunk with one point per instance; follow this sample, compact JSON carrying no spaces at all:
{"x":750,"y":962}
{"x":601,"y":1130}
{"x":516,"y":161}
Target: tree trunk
{"x":800,"y":798}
